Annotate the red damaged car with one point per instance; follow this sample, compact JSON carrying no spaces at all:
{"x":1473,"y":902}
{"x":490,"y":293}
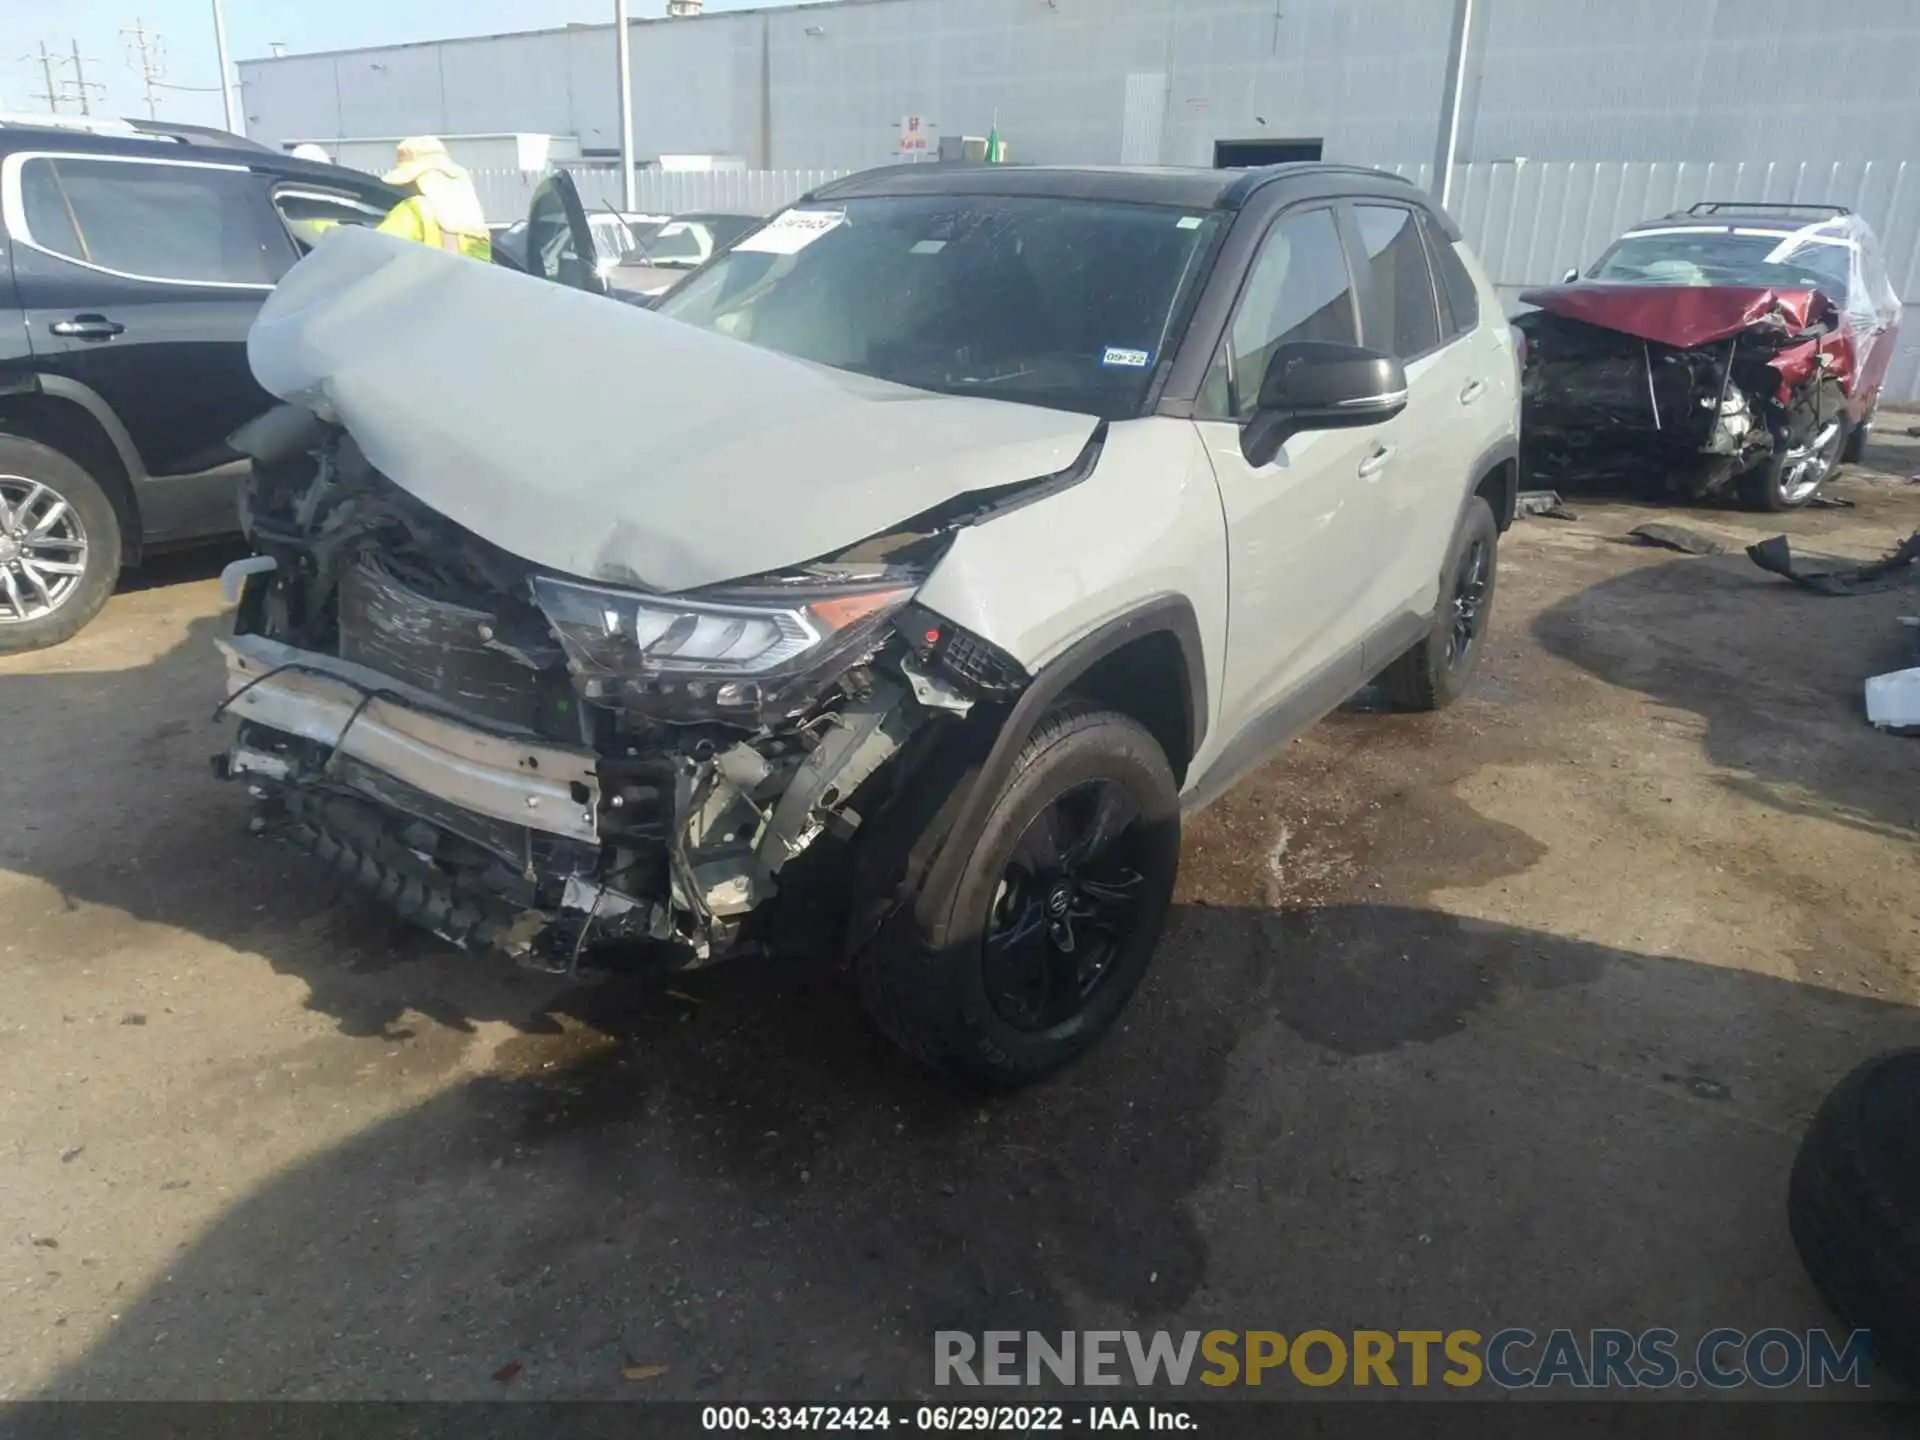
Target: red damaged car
{"x":1729,"y":348}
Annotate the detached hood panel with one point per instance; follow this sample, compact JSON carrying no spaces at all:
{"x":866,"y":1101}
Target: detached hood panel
{"x":1683,"y":315}
{"x":608,"y":442}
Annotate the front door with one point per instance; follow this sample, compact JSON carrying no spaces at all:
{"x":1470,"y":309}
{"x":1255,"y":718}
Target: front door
{"x":1303,"y":534}
{"x":139,"y":280}
{"x":560,"y":244}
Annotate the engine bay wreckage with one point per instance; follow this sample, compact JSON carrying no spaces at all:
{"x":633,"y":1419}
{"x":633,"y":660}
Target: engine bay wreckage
{"x":1696,"y":386}
{"x":545,"y":666}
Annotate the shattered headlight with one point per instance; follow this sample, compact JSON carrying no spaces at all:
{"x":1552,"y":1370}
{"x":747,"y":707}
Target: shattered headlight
{"x":746,"y":655}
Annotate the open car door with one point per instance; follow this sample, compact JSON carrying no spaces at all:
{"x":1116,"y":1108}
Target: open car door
{"x":559,"y":242}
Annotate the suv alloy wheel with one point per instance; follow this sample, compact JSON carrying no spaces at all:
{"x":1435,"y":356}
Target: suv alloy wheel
{"x":59,"y":546}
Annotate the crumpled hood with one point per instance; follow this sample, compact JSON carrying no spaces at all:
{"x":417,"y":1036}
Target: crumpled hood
{"x":608,"y":442}
{"x":1683,"y":315}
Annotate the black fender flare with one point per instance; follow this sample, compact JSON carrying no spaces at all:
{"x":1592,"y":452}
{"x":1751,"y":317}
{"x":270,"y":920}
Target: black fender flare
{"x":1168,"y":614}
{"x":1503,"y":452}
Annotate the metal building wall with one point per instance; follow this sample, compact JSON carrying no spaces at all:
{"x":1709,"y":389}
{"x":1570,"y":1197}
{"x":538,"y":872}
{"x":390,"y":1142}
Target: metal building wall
{"x":1073,"y":80}
{"x":1769,"y":80}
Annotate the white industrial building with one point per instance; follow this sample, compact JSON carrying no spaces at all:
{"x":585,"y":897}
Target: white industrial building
{"x":1143,"y":81}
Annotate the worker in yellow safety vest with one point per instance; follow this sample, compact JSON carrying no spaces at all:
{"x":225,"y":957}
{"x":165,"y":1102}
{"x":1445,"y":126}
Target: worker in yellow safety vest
{"x":441,"y":208}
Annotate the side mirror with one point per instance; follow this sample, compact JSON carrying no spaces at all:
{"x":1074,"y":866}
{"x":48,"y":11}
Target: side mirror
{"x":1570,"y":276}
{"x":1314,"y":385}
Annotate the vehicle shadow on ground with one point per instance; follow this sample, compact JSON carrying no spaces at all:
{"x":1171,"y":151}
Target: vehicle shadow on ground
{"x":1777,"y":677}
{"x":202,"y":560}
{"x":746,"y":1187}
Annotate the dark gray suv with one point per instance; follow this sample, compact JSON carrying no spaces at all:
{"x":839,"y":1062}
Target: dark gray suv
{"x":130,"y":270}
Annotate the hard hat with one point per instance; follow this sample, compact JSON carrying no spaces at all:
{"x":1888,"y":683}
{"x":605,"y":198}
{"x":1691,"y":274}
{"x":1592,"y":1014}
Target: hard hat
{"x":310,"y":151}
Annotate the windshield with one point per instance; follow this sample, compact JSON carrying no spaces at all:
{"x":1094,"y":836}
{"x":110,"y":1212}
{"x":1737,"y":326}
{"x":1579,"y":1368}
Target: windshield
{"x":1720,"y":257}
{"x":1062,"y":303}
{"x":691,"y":240}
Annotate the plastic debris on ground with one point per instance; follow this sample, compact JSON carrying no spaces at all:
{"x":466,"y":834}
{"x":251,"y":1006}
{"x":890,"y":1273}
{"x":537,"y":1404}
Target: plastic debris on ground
{"x":1893,"y":701}
{"x":1676,"y":537}
{"x":1776,"y":556}
{"x":1543,"y":503}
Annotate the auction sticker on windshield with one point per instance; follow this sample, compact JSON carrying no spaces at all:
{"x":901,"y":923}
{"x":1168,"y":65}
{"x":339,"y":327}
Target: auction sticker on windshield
{"x":1128,"y":359}
{"x":792,"y":232}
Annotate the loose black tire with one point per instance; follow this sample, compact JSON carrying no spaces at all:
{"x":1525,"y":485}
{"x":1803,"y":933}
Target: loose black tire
{"x":923,"y":980}
{"x":29,"y":460}
{"x":1434,"y":673}
{"x":1853,"y":1206}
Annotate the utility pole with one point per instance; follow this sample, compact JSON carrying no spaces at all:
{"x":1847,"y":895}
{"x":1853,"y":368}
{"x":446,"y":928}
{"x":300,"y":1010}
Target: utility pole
{"x":83,"y":88}
{"x":625,"y":49}
{"x":226,"y":71}
{"x":1453,"y":86}
{"x":51,"y":94}
{"x":146,"y":54}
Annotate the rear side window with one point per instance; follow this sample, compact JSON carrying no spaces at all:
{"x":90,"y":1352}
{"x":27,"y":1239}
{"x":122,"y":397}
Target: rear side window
{"x":1399,"y":313}
{"x":152,"y":220}
{"x":1298,"y":289}
{"x":1459,"y":301}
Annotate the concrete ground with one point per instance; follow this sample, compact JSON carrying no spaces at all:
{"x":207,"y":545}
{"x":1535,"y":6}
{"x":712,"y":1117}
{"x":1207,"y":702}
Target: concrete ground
{"x":1511,"y":1016}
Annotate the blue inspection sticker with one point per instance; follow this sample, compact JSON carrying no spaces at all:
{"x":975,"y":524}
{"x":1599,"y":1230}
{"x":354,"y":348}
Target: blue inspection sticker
{"x":1129,"y":359}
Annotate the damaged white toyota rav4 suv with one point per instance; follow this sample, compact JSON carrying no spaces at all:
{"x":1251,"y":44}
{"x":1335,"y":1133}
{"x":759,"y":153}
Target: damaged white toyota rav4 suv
{"x":888,"y":590}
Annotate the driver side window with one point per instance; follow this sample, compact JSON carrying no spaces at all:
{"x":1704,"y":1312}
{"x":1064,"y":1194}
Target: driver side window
{"x":1298,"y":289}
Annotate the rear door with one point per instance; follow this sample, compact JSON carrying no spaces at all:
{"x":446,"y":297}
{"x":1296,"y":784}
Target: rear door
{"x":1430,"y":444}
{"x":139,"y":279}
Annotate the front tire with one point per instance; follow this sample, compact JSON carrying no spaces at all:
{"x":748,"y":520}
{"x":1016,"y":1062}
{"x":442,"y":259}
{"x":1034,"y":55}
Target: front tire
{"x":1054,"y":917}
{"x":1790,"y":478}
{"x":1434,"y":673}
{"x":59,"y":546}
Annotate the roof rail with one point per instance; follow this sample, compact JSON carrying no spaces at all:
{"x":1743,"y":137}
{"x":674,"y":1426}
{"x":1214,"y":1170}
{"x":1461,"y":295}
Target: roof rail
{"x":1765,"y":207}
{"x":1254,"y":177}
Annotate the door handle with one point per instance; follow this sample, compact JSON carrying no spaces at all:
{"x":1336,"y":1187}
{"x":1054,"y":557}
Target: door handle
{"x":1472,"y":391}
{"x":1376,"y":462}
{"x":88,"y":327}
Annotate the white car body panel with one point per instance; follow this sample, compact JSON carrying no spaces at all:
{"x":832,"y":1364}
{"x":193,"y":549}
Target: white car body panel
{"x":1146,"y":524}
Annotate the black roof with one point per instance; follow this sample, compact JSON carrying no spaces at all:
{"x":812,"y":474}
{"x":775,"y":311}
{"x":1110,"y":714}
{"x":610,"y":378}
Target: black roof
{"x":1189,"y":187}
{"x":15,"y":138}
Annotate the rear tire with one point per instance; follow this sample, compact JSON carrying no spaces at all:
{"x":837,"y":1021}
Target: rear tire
{"x":1024,"y":965}
{"x":1853,"y":1206}
{"x":56,"y":517}
{"x":1434,"y":673}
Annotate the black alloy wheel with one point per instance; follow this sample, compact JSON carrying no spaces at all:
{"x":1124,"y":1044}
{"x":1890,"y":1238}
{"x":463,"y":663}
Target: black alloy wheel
{"x":1469,"y":605}
{"x":1066,"y":905}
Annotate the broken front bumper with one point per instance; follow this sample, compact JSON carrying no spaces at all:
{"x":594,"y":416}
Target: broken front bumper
{"x":360,"y":716}
{"x":483,"y":837}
